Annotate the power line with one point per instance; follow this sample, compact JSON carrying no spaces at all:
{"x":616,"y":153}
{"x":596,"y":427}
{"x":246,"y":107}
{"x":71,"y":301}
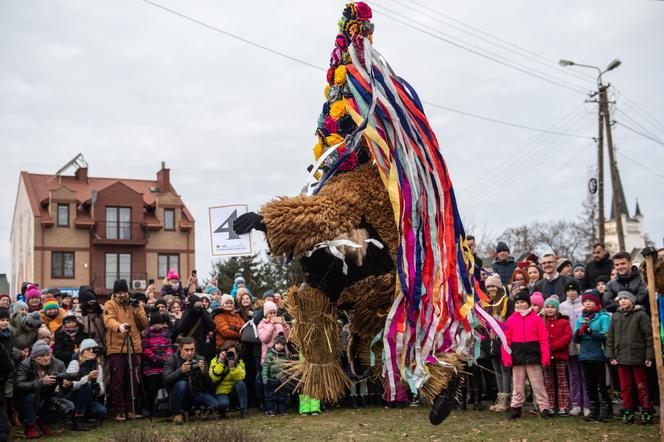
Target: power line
{"x":642,"y":112}
{"x":641,"y":133}
{"x":535,"y":73}
{"x":506,"y":123}
{"x":643,"y":166}
{"x":507,"y":47}
{"x":229,"y":34}
{"x":636,"y":123}
{"x":527,"y":51}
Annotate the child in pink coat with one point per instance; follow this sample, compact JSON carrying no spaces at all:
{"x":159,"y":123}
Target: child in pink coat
{"x":270,"y":327}
{"x":528,"y":339}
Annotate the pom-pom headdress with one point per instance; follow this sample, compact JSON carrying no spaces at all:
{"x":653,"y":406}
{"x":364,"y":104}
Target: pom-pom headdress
{"x":368,"y":106}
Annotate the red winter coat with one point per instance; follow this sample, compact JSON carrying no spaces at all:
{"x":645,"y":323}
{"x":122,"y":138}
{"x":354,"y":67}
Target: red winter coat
{"x":528,"y":339}
{"x":560,"y":335}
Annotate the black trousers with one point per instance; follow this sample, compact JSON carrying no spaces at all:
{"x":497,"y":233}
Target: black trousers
{"x":595,"y":373}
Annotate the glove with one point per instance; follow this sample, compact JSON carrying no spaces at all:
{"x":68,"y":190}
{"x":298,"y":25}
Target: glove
{"x":582,"y":329}
{"x":248,"y":222}
{"x":233,"y":327}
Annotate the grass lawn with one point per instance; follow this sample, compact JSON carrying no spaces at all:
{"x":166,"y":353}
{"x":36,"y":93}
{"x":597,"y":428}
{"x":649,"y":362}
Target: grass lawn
{"x":381,"y":424}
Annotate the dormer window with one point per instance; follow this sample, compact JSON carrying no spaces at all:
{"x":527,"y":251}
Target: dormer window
{"x":63,"y":215}
{"x":169,"y":219}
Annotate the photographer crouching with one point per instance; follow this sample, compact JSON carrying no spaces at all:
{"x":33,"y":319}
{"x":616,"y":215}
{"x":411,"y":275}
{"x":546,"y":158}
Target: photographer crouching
{"x":124,"y":320}
{"x":186,"y":378}
{"x":227,"y":373}
{"x":40,"y":387}
{"x":88,"y":391}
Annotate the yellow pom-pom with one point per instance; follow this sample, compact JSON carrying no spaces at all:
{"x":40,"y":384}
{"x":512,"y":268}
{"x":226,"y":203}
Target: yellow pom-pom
{"x":333,"y":139}
{"x":340,"y":75}
{"x":337,"y":109}
{"x":318,"y":150}
{"x":326,"y":92}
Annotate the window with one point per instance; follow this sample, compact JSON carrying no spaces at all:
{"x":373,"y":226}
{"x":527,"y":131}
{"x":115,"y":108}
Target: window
{"x":118,"y":223}
{"x":118,"y":266}
{"x":167,"y":262}
{"x":63,"y":215}
{"x":169,"y":219}
{"x":62,"y":265}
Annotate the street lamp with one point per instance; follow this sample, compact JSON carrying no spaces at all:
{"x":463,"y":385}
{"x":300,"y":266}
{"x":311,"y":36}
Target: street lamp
{"x":605,"y":119}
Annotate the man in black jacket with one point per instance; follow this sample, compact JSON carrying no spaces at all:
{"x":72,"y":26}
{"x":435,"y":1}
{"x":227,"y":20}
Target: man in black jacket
{"x":628,"y":279}
{"x":504,"y":264}
{"x":553,"y":283}
{"x":187,"y":379}
{"x":39,"y":391}
{"x":601,"y":265}
{"x":197,"y":323}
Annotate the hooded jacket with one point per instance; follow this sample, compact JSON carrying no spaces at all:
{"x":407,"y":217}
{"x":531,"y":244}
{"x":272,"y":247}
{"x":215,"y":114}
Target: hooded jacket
{"x":629,"y":339}
{"x":592,"y":341}
{"x":573,"y":309}
{"x":631,"y":282}
{"x":24,"y":328}
{"x":272,"y":365}
{"x":267,"y":331}
{"x":560,"y":335}
{"x":225,"y":378}
{"x":528,"y":338}
{"x":116,"y":314}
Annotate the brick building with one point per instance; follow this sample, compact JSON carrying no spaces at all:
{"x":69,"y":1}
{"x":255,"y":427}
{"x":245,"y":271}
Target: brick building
{"x":69,"y":231}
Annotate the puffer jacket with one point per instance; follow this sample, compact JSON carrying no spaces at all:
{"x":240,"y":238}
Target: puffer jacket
{"x":560,"y":335}
{"x":227,"y":326}
{"x":528,"y":338}
{"x":157,"y":348}
{"x":224,"y":378}
{"x":53,"y":324}
{"x":504,"y":269}
{"x":273,"y":364}
{"x":573,"y":309}
{"x":267,"y":331}
{"x":632,"y":282}
{"x":629,"y":339}
{"x":592,"y":340}
{"x":116,"y":314}
{"x":24,"y":328}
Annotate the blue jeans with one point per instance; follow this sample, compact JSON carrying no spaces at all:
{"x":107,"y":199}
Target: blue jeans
{"x":275,"y":400}
{"x":85,"y":403}
{"x":30,"y":407}
{"x":182,"y":399}
{"x":239,"y":392}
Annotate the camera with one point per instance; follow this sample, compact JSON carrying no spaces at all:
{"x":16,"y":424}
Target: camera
{"x":61,"y":377}
{"x":134,"y":302}
{"x":98,"y":350}
{"x":194,"y":363}
{"x":230,"y":356}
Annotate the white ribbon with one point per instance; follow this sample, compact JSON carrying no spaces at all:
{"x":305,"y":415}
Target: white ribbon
{"x":333,"y":244}
{"x":306,"y":189}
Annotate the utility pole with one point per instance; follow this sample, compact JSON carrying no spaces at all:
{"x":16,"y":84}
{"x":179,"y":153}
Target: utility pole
{"x":600,"y":164}
{"x":617,"y":203}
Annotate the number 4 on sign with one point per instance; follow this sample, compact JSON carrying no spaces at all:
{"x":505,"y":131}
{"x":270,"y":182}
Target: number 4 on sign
{"x":229,"y":229}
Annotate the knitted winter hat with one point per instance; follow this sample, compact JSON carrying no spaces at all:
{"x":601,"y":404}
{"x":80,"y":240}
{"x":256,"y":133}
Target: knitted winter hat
{"x":552,"y":300}
{"x":577,"y":266}
{"x":69,"y":317}
{"x":120,"y":286}
{"x":601,"y":278}
{"x":33,"y":320}
{"x":493,"y":280}
{"x":592,"y":295}
{"x":40,"y":348}
{"x":158,"y":318}
{"x":573,"y":285}
{"x":87,"y":344}
{"x":173,"y":274}
{"x":622,"y":294}
{"x":225,"y":298}
{"x":239,"y":279}
{"x":193,"y":299}
{"x":5,"y":295}
{"x":562,"y":262}
{"x":268,"y":294}
{"x":4,"y":313}
{"x":159,"y":302}
{"x":32,"y":292}
{"x":212,"y":289}
{"x":18,"y":306}
{"x":205,"y":296}
{"x":537,"y":299}
{"x":269,"y":306}
{"x":522,"y":295}
{"x":49,"y":304}
{"x":502,"y":247}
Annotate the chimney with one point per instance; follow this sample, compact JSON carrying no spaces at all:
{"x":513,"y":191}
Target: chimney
{"x":164,"y":178}
{"x":82,"y":174}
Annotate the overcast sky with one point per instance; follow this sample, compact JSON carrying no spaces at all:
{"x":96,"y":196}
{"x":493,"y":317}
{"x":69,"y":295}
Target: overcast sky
{"x":129,"y":85}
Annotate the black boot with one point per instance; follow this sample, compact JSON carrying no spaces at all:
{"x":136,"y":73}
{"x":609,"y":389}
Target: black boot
{"x":477,"y":397}
{"x":77,"y":425}
{"x":363,"y":401}
{"x":444,"y":402}
{"x":463,"y":397}
{"x":244,"y":413}
{"x":605,"y":412}
{"x":353,"y":402}
{"x":594,"y":411}
{"x":515,"y":413}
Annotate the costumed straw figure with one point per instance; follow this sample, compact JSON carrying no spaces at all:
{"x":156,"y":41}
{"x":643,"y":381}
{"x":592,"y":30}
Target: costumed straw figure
{"x":377,"y":232}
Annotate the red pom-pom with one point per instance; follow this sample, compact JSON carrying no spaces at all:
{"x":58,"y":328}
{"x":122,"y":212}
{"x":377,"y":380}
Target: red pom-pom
{"x":363,"y":11}
{"x":330,"y":76}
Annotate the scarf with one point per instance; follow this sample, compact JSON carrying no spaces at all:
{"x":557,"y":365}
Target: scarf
{"x":525,"y":312}
{"x":590,"y":314}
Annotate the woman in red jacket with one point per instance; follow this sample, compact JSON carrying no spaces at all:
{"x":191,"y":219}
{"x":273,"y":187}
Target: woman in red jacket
{"x":227,"y":321}
{"x":560,"y":335}
{"x":528,"y":341}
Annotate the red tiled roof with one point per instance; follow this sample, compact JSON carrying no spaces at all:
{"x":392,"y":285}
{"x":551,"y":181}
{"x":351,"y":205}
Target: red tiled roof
{"x":40,"y":185}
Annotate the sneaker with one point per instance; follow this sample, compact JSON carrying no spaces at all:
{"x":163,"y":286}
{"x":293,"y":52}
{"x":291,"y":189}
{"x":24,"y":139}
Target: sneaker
{"x":178,"y":419}
{"x":628,"y":417}
{"x":31,"y":431}
{"x":563,"y":412}
{"x":547,"y":414}
{"x":269,"y":413}
{"x":576,"y":410}
{"x":586,"y":412}
{"x":646,"y":418}
{"x":43,"y":427}
{"x":315,"y":413}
